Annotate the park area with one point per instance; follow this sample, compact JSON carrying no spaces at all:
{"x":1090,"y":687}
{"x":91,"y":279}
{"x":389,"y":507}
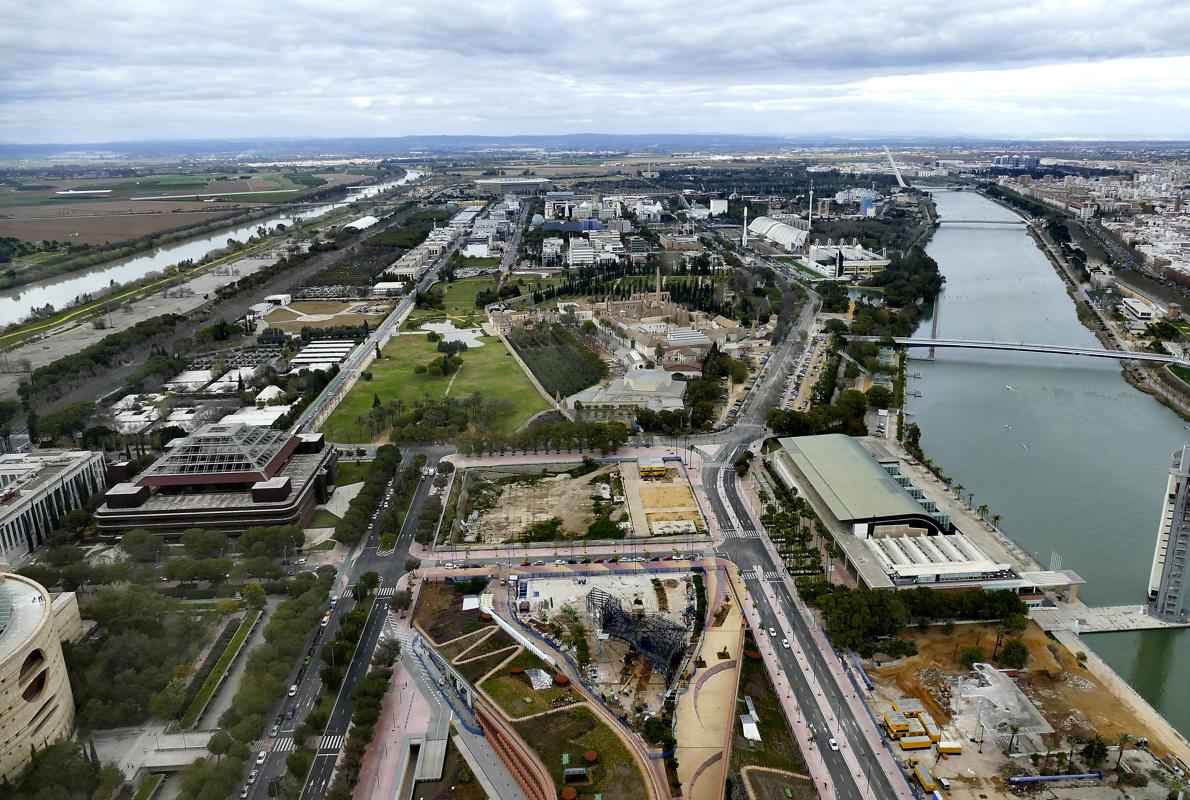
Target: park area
{"x":488,"y":371}
{"x":458,"y":300}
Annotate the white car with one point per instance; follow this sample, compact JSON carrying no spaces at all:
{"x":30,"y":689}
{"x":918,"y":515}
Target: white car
{"x":785,"y":643}
{"x":833,"y":744}
{"x":772,"y":631}
{"x":292,"y":692}
{"x":244,"y":792}
{"x":260,"y":757}
{"x":252,"y":776}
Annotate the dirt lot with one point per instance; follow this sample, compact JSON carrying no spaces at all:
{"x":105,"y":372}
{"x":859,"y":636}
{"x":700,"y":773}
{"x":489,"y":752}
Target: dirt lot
{"x":521,"y":505}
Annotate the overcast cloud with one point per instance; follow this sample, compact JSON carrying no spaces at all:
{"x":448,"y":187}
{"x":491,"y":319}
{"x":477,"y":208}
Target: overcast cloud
{"x":73,"y":71}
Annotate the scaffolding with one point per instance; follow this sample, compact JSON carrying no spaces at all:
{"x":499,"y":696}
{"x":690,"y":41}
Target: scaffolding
{"x":660,"y":640}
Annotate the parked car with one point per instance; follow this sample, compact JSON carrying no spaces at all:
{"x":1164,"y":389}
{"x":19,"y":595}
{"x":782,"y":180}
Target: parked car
{"x":260,"y":757}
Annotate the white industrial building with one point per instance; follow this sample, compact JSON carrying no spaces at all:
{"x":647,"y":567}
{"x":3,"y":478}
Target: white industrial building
{"x":363,"y":223}
{"x":38,"y":489}
{"x":779,"y":234}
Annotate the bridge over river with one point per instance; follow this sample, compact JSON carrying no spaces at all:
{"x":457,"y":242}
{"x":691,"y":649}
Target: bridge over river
{"x":1026,"y":347}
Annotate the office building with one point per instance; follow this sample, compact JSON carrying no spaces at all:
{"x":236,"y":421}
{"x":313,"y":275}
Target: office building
{"x":227,"y":477}
{"x":36,"y":490}
{"x":1167,"y":579}
{"x":496,"y":187}
{"x":36,"y":705}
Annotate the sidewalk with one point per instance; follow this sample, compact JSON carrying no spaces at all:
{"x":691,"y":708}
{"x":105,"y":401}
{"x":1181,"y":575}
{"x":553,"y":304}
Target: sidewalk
{"x":404,"y":715}
{"x":859,"y":709}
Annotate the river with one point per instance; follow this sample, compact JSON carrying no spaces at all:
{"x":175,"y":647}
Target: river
{"x":1073,"y":458}
{"x":61,"y":291}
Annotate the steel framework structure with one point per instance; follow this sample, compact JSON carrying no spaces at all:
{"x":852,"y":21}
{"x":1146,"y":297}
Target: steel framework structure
{"x":660,"y":640}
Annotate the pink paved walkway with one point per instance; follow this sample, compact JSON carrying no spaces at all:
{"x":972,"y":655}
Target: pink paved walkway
{"x":403,"y":711}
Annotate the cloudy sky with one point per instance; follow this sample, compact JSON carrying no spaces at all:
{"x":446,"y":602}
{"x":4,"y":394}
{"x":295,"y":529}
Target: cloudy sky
{"x":74,"y":71}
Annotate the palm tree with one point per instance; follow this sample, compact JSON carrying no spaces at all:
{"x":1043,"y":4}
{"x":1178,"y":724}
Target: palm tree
{"x":1122,"y":742}
{"x":983,"y":511}
{"x":996,"y":520}
{"x":1015,"y":730}
{"x":958,"y":490}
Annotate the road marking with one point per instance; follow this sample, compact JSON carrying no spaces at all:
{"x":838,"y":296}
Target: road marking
{"x":330,"y":742}
{"x":283,"y":745}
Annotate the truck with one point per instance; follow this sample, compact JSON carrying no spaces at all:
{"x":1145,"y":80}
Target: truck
{"x":951,"y":747}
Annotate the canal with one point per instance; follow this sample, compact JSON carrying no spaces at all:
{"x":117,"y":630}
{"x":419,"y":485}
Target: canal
{"x":61,"y":291}
{"x":1073,"y":458}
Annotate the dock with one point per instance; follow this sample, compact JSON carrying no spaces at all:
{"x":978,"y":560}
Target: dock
{"x":1080,"y":618}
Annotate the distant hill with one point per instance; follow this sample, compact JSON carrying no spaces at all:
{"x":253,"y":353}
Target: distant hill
{"x":659,"y":143}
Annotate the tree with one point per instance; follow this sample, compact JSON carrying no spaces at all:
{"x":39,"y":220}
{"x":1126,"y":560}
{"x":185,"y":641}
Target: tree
{"x":1122,"y":743}
{"x":412,"y":563}
{"x":219,"y":744}
{"x":971,"y":656}
{"x":1095,"y":751}
{"x":401,"y":600}
{"x":369,"y":581}
{"x":254,"y":595}
{"x":1014,"y":654}
{"x":140,"y":545}
{"x":1012,"y":740}
{"x":166,"y":703}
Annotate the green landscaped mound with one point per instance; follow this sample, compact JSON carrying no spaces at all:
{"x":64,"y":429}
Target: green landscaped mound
{"x":573,"y":732}
{"x":489,"y":371}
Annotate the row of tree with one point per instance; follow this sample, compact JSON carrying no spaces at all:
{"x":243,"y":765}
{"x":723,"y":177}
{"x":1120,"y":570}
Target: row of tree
{"x":606,"y":437}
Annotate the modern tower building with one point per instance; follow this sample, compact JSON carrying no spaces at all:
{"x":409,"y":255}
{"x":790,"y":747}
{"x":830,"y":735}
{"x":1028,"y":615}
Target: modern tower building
{"x":1168,"y":598}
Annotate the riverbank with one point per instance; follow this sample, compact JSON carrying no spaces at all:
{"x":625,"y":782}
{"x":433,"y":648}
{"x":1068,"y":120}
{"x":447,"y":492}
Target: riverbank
{"x":1071,"y":456}
{"x":1093,"y":320}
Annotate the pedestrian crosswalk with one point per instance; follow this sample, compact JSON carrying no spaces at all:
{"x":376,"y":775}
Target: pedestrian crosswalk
{"x":736,"y":533}
{"x":331,"y":742}
{"x":759,"y":574}
{"x":385,"y":591}
{"x":283,"y":745}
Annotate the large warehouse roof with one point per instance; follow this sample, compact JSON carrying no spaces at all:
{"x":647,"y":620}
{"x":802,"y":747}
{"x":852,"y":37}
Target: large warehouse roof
{"x":852,"y":483}
{"x":778,"y":232}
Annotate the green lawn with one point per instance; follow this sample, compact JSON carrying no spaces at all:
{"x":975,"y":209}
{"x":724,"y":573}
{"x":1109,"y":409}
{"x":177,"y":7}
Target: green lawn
{"x":221,"y":666}
{"x":460,"y":296}
{"x":351,"y":472}
{"x":1182,"y":372}
{"x":321,"y":518}
{"x":148,"y":787}
{"x":489,"y":370}
{"x":574,"y":732}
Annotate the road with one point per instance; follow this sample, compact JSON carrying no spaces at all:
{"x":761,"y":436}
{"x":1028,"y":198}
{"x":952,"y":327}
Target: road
{"x":390,"y":567}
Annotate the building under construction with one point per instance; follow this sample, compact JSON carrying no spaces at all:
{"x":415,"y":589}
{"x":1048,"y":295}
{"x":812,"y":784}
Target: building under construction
{"x":660,"y":640}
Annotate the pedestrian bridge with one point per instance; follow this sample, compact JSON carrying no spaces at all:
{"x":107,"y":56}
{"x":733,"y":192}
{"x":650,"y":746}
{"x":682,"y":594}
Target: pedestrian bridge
{"x":1025,"y":347}
{"x":952,"y":221}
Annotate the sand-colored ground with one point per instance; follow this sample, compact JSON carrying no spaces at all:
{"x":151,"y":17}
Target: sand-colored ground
{"x":705,"y":712}
{"x":522,"y":505}
{"x":660,"y":500}
{"x":1072,"y":698}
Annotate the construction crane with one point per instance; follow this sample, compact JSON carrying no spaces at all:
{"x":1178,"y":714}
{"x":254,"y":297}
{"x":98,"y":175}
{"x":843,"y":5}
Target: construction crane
{"x":896,"y":169}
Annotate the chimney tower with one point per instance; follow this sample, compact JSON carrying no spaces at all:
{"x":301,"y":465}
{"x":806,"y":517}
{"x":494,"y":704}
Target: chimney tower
{"x":744,"y":238}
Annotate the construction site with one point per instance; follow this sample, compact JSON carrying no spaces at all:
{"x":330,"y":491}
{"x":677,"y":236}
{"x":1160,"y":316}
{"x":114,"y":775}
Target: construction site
{"x":983,"y":732}
{"x":628,"y":631}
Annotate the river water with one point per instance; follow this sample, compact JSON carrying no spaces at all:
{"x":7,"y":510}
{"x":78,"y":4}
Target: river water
{"x":1073,"y":458}
{"x":61,"y":291}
